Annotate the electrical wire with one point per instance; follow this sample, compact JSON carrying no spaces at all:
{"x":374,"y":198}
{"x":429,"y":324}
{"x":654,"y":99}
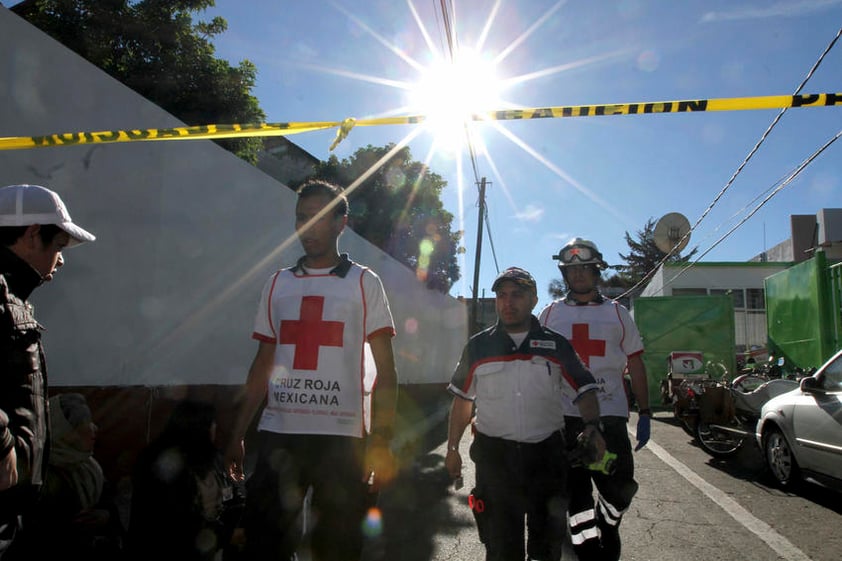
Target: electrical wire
{"x":438,"y":26}
{"x":448,"y":29}
{"x":491,"y":241}
{"x":776,"y":190}
{"x":739,"y":170}
{"x":452,"y":43}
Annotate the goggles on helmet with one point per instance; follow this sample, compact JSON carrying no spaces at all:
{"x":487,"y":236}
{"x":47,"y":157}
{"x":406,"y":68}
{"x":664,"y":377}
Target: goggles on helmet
{"x":579,"y":253}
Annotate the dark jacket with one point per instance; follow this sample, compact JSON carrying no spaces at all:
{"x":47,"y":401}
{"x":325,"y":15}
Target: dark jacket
{"x":178,"y":491}
{"x":23,"y":382}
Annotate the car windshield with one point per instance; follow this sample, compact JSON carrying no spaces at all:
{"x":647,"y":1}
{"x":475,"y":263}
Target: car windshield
{"x":832,"y":375}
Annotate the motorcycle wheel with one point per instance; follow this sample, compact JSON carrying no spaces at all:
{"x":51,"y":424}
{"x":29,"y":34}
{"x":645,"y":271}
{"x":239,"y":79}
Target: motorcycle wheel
{"x":717,"y":443}
{"x":686,"y":420}
{"x":780,"y":460}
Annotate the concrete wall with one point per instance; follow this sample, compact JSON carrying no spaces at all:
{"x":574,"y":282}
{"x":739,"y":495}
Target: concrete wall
{"x":162,"y":305}
{"x":807,"y":233}
{"x":187,"y":234}
{"x":710,"y":276}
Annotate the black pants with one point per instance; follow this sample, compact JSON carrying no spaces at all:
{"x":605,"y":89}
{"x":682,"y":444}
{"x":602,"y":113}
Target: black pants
{"x":595,"y":529}
{"x":16,"y":506}
{"x":287,"y":465}
{"x":517,"y":483}
{"x":9,"y":527}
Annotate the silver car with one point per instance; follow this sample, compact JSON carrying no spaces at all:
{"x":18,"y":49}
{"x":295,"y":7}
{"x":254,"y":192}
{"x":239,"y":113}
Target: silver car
{"x":800,"y":432}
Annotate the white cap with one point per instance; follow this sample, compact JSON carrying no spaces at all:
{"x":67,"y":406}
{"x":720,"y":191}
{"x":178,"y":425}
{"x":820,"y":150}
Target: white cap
{"x":24,"y":205}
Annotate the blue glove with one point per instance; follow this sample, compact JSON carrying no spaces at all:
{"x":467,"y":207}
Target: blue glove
{"x":643,"y":431}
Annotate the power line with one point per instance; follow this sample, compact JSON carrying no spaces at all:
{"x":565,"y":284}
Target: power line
{"x":448,"y":29}
{"x":783,"y":184}
{"x":453,"y":45}
{"x":491,"y":241}
{"x":736,"y":173}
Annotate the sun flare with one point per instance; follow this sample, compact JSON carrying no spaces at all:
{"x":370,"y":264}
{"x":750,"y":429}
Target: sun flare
{"x":449,"y":93}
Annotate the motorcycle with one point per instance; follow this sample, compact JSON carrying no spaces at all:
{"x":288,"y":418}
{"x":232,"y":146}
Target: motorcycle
{"x":728,"y":411}
{"x":686,"y":380}
{"x":683,"y":395}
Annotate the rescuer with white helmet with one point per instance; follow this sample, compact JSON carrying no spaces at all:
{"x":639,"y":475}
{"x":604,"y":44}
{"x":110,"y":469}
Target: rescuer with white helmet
{"x":608,"y":342}
{"x":579,"y":251}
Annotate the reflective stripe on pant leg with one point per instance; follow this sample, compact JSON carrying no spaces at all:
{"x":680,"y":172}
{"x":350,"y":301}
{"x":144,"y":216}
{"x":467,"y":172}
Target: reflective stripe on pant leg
{"x":608,"y":523}
{"x":610,"y":514}
{"x":583,"y":526}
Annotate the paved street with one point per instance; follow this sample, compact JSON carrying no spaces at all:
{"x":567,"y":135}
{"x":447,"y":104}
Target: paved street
{"x":689,"y":507}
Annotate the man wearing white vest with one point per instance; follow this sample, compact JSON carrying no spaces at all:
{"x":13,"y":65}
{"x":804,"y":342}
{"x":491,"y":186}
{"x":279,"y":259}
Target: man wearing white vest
{"x":607,"y":340}
{"x":312,"y":324}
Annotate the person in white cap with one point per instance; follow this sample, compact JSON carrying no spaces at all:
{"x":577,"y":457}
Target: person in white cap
{"x":34,"y":229}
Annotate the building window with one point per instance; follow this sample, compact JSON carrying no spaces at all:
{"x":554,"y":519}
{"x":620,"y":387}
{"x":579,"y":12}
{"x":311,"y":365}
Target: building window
{"x":689,"y":291}
{"x":736,"y":293}
{"x":755,"y":299}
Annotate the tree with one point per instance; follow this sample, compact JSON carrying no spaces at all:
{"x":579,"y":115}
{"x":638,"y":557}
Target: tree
{"x":399,"y":209}
{"x":557,"y":289}
{"x":155,"y":48}
{"x":644,"y":256}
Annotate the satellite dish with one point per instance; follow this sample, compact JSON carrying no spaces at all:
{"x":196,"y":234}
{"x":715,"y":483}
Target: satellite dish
{"x":671,"y":232}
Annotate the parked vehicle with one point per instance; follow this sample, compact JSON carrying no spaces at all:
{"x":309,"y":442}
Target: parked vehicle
{"x":728,"y":411}
{"x":800,"y":432}
{"x":685,"y":401}
{"x":688,"y":376}
{"x":681,"y":365}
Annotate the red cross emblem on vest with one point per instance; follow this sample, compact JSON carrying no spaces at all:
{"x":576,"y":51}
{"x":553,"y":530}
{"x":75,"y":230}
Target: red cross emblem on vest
{"x":585,"y":346}
{"x":310,"y":332}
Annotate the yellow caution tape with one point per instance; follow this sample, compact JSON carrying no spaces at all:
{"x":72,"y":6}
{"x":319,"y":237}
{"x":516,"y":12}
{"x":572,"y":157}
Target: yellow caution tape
{"x":343,"y":131}
{"x":216,"y":132}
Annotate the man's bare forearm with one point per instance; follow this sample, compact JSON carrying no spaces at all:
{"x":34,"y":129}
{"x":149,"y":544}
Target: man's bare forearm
{"x":588,"y":404}
{"x":384,"y":399}
{"x":460,"y":417}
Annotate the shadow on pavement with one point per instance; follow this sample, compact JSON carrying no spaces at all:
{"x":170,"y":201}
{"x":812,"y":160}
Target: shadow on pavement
{"x":419,"y":508}
{"x":748,"y":464}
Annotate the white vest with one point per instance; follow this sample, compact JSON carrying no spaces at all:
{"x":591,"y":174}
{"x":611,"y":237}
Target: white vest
{"x":319,"y":323}
{"x":604,"y":336}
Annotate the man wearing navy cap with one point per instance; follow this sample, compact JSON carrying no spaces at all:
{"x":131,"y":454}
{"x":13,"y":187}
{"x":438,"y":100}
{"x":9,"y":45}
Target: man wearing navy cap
{"x":34,"y":229}
{"x":516,"y":373}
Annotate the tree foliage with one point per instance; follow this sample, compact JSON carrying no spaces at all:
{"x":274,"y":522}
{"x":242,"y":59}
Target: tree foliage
{"x":399,"y":209}
{"x":644,"y":256}
{"x":557,"y":289}
{"x":155,"y":48}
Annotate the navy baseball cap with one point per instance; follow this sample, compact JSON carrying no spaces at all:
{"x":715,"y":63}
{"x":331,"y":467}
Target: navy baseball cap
{"x":517,"y":275}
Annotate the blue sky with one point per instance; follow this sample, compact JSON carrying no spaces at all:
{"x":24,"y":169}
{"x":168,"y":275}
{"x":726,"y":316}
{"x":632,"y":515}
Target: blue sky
{"x":595,"y":177}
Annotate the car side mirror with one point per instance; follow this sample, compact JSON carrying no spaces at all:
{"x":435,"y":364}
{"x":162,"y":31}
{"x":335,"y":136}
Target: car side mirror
{"x":810,"y":384}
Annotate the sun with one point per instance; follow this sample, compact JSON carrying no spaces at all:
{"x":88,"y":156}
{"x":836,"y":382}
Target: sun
{"x":448,"y":94}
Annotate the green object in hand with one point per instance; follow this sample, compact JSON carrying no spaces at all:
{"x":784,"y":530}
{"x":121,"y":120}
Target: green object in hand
{"x":606,"y":465}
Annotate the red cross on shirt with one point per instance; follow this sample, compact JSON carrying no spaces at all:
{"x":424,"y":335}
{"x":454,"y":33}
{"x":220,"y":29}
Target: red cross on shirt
{"x":584,"y":345}
{"x":309,"y":333}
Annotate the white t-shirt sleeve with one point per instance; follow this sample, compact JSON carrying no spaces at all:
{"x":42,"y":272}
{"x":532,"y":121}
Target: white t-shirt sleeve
{"x":632,"y":343}
{"x":263,"y":328}
{"x":378,"y":315}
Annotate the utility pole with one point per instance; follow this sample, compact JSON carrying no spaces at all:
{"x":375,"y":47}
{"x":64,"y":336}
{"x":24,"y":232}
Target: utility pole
{"x":475,"y":300}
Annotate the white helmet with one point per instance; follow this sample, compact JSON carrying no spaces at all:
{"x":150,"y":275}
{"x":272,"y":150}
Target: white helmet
{"x":579,"y":251}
